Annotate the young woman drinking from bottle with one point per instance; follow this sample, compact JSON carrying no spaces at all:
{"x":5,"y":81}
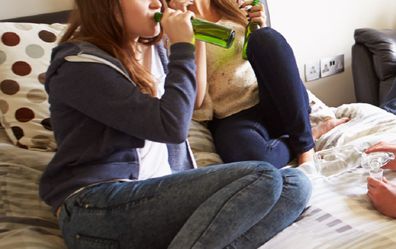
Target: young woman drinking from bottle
{"x":256,"y":109}
{"x":122,"y":176}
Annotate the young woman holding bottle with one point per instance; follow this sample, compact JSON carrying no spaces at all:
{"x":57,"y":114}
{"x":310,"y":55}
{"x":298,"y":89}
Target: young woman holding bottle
{"x":256,"y":109}
{"x":122,"y":176}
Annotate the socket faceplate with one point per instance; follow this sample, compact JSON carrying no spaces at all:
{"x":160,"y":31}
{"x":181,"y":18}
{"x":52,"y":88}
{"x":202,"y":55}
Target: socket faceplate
{"x":331,"y":65}
{"x":312,"y":71}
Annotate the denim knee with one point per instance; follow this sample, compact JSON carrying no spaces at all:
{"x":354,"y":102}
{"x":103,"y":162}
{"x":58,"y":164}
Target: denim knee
{"x":265,"y":40}
{"x":267,"y":167}
{"x":298,"y":185}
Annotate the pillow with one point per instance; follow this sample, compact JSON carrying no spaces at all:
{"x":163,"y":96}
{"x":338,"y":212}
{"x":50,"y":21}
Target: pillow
{"x":202,"y":146}
{"x":319,"y":110}
{"x":25,"y":50}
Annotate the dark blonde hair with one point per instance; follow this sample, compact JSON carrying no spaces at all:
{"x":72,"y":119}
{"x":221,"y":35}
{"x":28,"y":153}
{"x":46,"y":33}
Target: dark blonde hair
{"x":230,"y":10}
{"x":102,"y":24}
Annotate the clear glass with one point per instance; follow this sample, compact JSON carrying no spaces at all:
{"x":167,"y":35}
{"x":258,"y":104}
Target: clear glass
{"x":336,"y":160}
{"x":376,"y":160}
{"x":209,"y":32}
{"x":377,"y":173}
{"x":339,"y":159}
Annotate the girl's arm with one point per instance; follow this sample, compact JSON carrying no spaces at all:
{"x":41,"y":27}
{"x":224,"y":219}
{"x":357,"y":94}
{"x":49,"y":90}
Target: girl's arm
{"x":200,"y":55}
{"x":103,"y":94}
{"x":200,"y":61}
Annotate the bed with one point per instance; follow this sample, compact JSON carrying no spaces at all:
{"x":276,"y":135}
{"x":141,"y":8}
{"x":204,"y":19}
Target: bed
{"x":339,"y":214}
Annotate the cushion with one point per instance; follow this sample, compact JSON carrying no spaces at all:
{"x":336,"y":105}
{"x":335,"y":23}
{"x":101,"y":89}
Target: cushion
{"x":202,"y":145}
{"x":25,"y":50}
{"x":382,"y":44}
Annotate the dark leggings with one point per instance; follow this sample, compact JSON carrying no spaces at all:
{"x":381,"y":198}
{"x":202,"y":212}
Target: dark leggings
{"x":278,"y":128}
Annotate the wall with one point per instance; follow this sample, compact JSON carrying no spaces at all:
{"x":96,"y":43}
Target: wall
{"x":16,"y":8}
{"x":323,"y":28}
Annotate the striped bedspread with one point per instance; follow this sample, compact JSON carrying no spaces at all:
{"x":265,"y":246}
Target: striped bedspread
{"x":340,"y":217}
{"x":25,"y":221}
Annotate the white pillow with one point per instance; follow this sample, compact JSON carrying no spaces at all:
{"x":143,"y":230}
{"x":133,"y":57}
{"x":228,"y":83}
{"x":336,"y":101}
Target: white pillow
{"x":25,"y":51}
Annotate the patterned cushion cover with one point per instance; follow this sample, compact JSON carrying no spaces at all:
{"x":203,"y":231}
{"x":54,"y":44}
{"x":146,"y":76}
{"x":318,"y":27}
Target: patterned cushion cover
{"x":25,"y":50}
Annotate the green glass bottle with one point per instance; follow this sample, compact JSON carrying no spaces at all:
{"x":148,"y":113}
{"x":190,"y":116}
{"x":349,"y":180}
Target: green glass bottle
{"x":249,"y":29}
{"x":209,"y":32}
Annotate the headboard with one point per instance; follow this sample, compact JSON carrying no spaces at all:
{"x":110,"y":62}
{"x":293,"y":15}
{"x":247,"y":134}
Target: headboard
{"x":62,"y":17}
{"x":55,"y":17}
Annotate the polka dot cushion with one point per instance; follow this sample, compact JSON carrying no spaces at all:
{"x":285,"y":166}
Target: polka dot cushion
{"x":25,"y":51}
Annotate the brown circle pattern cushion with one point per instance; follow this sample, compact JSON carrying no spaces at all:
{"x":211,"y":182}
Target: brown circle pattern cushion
{"x":25,"y":50}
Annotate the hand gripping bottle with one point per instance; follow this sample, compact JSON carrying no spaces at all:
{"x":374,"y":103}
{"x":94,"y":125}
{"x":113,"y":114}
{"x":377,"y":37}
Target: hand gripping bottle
{"x":209,"y":32}
{"x":249,"y":29}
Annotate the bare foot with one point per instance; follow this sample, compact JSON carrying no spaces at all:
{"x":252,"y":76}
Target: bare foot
{"x":326,"y":125}
{"x":305,"y":157}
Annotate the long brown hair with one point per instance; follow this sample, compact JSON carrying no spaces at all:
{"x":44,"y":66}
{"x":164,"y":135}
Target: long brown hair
{"x":230,"y":10}
{"x":96,"y":22}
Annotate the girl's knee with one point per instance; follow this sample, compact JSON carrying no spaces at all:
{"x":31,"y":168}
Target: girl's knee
{"x":298,"y":184}
{"x":259,"y":167}
{"x":265,"y":169}
{"x":266,"y":39}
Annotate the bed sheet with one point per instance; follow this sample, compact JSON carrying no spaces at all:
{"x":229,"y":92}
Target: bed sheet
{"x":340,"y":216}
{"x":25,"y":221}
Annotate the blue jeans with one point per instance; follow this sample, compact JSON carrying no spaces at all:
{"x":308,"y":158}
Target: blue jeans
{"x":278,"y":128}
{"x":390,"y":100}
{"x":238,"y":205}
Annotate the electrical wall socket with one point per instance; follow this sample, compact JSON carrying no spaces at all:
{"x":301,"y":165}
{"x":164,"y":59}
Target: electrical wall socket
{"x":331,"y":65}
{"x":312,"y":71}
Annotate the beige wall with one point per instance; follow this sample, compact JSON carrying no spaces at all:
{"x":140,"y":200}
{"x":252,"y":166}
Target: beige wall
{"x":322,"y":28}
{"x":16,"y":8}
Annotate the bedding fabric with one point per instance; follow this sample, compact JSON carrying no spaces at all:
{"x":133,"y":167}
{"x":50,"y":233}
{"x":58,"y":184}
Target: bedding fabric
{"x":339,"y":216}
{"x":25,"y":221}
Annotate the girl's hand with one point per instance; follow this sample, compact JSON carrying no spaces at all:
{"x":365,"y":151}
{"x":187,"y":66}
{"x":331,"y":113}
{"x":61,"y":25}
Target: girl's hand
{"x":180,"y":4}
{"x":384,"y":147}
{"x":383,"y":196}
{"x":256,"y":14}
{"x":177,"y":25}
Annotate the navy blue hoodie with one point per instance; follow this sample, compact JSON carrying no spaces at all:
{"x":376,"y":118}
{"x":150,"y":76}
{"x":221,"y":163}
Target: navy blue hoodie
{"x":99,"y":117}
